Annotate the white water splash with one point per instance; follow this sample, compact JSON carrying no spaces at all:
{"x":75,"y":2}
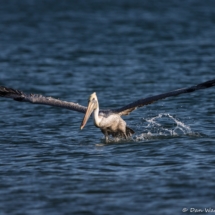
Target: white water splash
{"x":168,"y":127}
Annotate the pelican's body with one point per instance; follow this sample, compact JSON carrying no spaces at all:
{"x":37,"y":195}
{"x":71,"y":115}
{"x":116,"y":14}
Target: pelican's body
{"x":109,"y":121}
{"x":113,"y":125}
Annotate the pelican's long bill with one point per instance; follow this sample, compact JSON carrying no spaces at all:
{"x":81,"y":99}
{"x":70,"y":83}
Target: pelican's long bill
{"x":90,"y":109}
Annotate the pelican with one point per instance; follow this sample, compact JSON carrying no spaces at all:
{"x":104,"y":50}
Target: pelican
{"x":108,"y":120}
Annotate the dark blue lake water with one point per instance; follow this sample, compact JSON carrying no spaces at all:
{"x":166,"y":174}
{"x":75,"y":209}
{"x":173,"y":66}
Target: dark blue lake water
{"x":123,"y":51}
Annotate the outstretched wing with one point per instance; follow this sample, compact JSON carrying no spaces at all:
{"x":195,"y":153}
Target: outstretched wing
{"x":146,"y":101}
{"x":39,"y":99}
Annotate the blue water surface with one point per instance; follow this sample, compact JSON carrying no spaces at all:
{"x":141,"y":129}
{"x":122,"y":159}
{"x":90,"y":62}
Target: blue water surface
{"x":122,"y":50}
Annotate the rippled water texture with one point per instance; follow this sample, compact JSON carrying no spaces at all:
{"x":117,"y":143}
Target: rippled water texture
{"x":123,"y":51}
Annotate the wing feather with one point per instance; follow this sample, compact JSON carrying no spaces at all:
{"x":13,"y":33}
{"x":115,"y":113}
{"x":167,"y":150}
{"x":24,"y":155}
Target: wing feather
{"x":125,"y":110}
{"x":39,"y":99}
{"x":146,"y":101}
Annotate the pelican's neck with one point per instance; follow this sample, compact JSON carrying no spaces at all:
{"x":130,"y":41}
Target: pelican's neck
{"x":96,"y":117}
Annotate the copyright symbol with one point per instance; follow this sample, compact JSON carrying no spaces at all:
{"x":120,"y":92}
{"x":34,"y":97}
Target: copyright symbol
{"x":184,"y":210}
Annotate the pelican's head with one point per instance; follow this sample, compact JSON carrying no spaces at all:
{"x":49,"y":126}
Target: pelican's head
{"x":92,"y":105}
{"x":92,"y":97}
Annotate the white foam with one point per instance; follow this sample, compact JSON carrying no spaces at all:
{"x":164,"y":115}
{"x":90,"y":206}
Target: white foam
{"x":155,"y":129}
